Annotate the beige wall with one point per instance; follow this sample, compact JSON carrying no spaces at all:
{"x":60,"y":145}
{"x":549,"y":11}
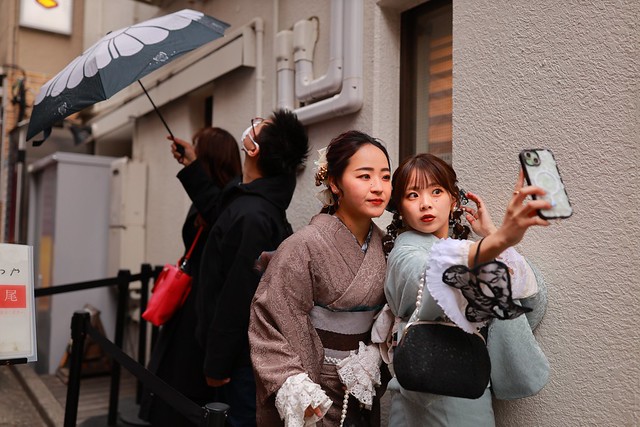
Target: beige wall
{"x":561,"y":75}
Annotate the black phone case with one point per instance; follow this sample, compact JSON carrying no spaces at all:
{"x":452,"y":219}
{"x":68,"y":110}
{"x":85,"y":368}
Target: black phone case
{"x":547,"y":176}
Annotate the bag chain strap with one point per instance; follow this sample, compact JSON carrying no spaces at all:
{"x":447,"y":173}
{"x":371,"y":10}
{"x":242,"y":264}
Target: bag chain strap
{"x":414,"y":315}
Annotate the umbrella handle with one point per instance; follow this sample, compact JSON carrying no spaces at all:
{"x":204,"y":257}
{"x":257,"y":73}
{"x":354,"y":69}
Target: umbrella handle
{"x":180,"y":148}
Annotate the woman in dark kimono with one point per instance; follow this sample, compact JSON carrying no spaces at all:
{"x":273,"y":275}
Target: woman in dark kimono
{"x":312,"y":314}
{"x":177,"y":358}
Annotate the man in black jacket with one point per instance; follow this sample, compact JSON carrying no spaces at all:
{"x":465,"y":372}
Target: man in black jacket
{"x":251,"y":219}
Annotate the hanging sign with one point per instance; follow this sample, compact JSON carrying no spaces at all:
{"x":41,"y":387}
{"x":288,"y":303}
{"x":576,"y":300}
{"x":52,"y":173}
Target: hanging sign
{"x":47,"y":15}
{"x":17,"y":305}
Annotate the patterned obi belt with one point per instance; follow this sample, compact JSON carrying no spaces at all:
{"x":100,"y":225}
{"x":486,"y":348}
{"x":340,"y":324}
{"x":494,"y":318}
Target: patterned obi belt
{"x":341,"y":331}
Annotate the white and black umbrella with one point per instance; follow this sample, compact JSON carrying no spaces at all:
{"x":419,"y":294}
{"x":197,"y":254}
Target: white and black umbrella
{"x":118,"y":60}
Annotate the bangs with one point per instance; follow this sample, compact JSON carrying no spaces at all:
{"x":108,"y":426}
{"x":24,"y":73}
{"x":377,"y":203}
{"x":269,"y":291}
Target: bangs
{"x":421,"y":179}
{"x":422,"y":171}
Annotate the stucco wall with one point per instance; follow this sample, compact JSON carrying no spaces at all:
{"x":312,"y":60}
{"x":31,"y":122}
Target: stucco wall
{"x":563,"y":75}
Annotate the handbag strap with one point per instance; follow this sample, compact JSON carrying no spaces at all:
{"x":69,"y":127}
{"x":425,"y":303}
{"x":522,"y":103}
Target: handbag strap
{"x":414,"y":315}
{"x":193,"y":245}
{"x":475,"y":259}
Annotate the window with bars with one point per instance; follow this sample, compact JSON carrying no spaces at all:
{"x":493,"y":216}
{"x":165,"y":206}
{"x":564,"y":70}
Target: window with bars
{"x":427,"y":80}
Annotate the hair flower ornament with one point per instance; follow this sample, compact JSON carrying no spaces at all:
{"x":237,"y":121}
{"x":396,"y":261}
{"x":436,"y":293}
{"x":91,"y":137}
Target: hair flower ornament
{"x":324,"y":195}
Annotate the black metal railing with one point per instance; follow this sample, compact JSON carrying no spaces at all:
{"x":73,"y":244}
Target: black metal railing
{"x":211,"y":415}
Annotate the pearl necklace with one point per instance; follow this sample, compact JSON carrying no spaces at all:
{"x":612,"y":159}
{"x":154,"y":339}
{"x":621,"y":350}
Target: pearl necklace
{"x":345,"y":405}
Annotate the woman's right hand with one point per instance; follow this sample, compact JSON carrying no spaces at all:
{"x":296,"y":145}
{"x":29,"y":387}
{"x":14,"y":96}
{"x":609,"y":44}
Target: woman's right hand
{"x":189,"y":154}
{"x":312,"y":411}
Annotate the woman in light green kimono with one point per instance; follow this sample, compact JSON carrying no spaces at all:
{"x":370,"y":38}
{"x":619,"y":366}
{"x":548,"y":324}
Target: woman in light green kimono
{"x":425,"y":194}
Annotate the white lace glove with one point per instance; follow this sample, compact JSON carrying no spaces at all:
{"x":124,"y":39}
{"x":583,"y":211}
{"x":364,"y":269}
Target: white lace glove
{"x":296,"y":394}
{"x":360,"y":373}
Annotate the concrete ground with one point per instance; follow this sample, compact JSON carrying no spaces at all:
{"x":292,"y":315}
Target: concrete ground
{"x":25,"y":400}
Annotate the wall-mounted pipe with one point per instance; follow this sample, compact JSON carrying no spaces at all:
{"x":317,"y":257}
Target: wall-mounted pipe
{"x":308,"y":89}
{"x":284,"y":65}
{"x":258,"y":26}
{"x":350,"y":98}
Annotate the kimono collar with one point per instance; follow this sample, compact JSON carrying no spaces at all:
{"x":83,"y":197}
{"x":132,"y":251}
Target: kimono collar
{"x":367,"y":240}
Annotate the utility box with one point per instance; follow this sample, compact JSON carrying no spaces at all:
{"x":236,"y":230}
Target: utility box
{"x":69,"y":206}
{"x":127,"y":215}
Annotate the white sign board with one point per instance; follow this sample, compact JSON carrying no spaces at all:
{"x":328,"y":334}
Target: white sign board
{"x":47,"y":15}
{"x":17,"y":304}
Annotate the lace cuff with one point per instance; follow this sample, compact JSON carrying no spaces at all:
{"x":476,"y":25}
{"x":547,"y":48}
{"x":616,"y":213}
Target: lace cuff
{"x":296,"y":394}
{"x":446,"y":253}
{"x":523,"y":280}
{"x":360,"y":373}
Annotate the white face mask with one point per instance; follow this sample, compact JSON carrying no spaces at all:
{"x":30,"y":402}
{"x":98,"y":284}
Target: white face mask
{"x":247,"y":133}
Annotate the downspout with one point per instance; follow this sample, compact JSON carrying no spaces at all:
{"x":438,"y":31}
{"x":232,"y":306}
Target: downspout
{"x":276,"y":29}
{"x":285,"y":98}
{"x":258,"y":26}
{"x":350,"y":98}
{"x":305,"y":35}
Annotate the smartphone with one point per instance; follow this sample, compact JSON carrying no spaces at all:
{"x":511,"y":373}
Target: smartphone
{"x":540,"y":169}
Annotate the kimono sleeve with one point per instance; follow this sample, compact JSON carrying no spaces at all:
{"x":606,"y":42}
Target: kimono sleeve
{"x":280,"y":329}
{"x":405,"y":265}
{"x":519,"y":368}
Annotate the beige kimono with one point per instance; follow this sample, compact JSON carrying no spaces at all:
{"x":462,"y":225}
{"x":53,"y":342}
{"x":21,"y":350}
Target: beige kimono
{"x":318,"y":271}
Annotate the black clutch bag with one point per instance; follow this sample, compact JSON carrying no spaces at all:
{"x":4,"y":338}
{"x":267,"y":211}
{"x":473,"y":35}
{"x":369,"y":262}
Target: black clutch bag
{"x":441,"y":358}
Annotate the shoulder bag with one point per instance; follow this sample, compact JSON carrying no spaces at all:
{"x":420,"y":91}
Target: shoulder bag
{"x":170,"y":290}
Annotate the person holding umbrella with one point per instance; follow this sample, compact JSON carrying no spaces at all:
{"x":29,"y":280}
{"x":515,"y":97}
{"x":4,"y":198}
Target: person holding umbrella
{"x":251,"y":218}
{"x":209,"y":164}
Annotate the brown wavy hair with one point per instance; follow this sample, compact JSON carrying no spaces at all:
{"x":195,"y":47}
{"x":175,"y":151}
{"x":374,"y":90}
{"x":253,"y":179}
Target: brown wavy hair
{"x":218,"y":151}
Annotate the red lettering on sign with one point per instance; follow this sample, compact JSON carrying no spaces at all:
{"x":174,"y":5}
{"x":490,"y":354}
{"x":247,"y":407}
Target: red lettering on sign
{"x":13,"y":296}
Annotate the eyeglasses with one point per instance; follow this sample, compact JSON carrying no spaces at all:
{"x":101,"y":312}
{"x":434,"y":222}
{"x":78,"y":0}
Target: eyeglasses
{"x":251,"y":130}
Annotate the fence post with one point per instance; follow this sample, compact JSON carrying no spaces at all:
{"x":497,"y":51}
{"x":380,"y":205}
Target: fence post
{"x":215,"y":414}
{"x":146,"y":273}
{"x":124,"y":278}
{"x":79,"y":323}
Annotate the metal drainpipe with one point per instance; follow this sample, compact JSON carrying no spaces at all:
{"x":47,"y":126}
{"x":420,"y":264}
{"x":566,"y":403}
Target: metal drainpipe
{"x":258,"y":26}
{"x":350,"y":98}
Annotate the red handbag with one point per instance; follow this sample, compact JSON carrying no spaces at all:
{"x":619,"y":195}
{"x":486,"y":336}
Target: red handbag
{"x":170,"y":290}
